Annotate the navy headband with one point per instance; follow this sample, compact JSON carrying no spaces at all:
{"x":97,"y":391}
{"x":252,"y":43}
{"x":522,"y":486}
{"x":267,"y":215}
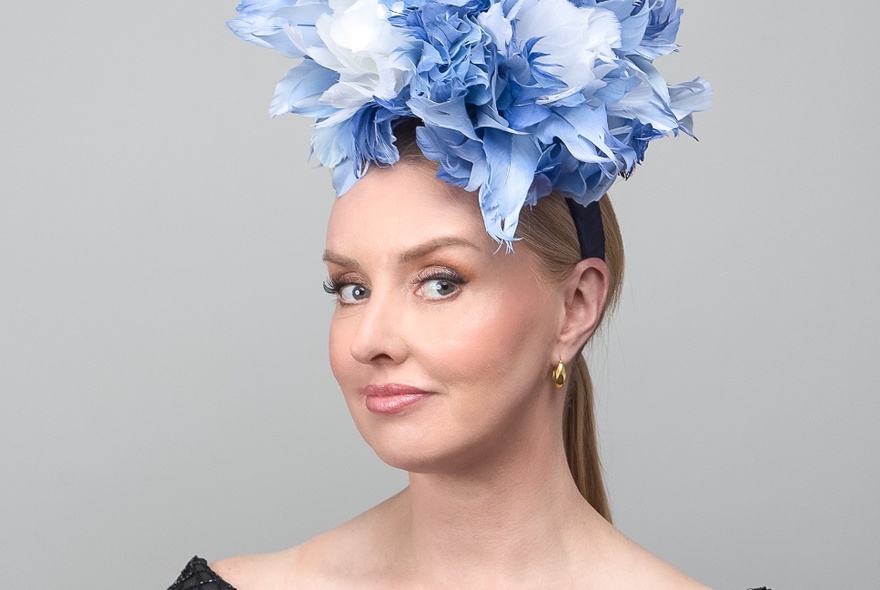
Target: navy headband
{"x":591,"y":235}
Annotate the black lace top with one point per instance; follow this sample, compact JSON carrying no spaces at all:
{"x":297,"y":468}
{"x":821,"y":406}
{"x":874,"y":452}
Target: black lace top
{"x":198,"y":576}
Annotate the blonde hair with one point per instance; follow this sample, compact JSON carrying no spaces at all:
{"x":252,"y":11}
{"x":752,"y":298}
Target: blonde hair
{"x":549,"y":231}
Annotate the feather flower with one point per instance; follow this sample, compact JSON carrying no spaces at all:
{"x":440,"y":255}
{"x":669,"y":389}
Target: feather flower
{"x":515,"y":98}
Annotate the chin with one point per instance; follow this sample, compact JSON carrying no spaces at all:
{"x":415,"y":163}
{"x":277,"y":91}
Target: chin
{"x":418,"y":447}
{"x":426,"y":460}
{"x":399,"y":442}
{"x":411,"y":462}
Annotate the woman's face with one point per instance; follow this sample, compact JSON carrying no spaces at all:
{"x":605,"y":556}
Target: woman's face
{"x":441,"y":344}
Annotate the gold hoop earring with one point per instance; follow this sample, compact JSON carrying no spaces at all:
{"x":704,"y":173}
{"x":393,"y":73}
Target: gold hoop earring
{"x":559,"y":375}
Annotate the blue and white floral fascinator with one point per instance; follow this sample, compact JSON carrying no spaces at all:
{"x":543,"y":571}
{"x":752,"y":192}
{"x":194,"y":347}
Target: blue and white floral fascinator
{"x":514,"y":98}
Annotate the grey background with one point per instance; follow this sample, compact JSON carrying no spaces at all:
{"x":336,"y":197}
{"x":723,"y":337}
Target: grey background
{"x":165,"y":387}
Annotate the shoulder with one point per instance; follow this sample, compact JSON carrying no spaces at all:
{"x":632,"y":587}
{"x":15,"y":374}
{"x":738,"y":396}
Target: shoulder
{"x":334,"y":558}
{"x":257,"y":572}
{"x":632,"y":566}
{"x":317,"y":562}
{"x":656,"y":573}
{"x":665,"y":577}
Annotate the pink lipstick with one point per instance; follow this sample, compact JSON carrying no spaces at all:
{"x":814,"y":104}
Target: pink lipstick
{"x":391,"y":398}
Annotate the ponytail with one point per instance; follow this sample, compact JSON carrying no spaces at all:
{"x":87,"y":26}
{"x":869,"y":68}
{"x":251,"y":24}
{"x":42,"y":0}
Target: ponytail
{"x":580,"y":439}
{"x":548,"y":229}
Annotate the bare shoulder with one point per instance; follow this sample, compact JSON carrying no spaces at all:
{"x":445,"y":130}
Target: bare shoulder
{"x":326,"y":560}
{"x":666,"y":577}
{"x":338,"y":557}
{"x":646,"y":570}
{"x":257,"y":572}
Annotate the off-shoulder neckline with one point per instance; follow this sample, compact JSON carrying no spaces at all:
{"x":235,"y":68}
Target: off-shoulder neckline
{"x":199,"y":572}
{"x":197,"y":575}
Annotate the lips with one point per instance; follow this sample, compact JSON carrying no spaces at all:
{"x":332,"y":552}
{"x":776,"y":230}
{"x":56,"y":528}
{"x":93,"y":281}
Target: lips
{"x":392,"y":398}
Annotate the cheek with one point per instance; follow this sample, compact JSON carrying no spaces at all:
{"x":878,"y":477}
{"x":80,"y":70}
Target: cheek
{"x":342,"y":363}
{"x":491,"y":342}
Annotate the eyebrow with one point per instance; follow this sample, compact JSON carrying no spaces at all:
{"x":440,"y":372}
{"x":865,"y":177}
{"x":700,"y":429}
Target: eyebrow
{"x":434,"y":245}
{"x":415,"y":253}
{"x":339,"y":260}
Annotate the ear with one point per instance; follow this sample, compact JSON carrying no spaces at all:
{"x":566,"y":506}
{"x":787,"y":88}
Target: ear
{"x":586,"y":290}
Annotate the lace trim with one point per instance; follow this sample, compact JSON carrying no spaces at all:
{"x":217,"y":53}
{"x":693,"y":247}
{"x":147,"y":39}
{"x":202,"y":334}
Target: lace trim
{"x":198,"y":575}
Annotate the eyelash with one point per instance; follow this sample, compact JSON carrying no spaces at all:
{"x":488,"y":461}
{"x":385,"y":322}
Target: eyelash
{"x":332,"y":285}
{"x":444,"y":274}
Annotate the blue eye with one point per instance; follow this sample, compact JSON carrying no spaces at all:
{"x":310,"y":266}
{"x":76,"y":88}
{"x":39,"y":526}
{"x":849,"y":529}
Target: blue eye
{"x":438,"y":288}
{"x":440,"y":284}
{"x":346,"y":293}
{"x":352,"y":293}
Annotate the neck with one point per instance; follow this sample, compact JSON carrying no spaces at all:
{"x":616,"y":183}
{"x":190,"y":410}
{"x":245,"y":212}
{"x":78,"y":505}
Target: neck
{"x":508,"y":516}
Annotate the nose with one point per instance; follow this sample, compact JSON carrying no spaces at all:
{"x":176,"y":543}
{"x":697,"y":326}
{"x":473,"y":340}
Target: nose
{"x":379,"y":337}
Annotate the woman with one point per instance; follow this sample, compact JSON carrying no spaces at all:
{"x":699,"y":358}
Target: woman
{"x":460,"y":359}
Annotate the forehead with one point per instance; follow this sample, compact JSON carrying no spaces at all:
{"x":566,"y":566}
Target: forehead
{"x":401,"y":207}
